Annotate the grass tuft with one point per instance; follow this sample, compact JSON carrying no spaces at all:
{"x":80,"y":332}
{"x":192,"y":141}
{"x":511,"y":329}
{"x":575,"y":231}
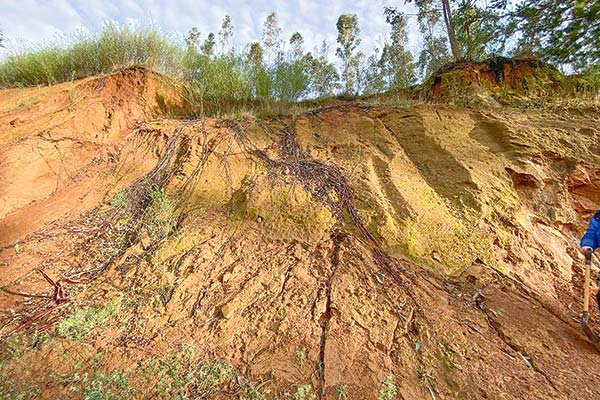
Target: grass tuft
{"x":85,"y":54}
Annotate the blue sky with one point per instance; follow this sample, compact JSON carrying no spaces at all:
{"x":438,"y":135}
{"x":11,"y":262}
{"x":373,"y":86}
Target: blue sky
{"x":27,"y":22}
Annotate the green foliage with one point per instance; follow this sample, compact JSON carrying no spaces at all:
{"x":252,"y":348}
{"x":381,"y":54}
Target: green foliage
{"x":182,"y":377}
{"x":480,"y":30}
{"x":388,"y":390}
{"x":161,"y":218}
{"x":396,"y":56}
{"x":434,"y":55}
{"x":300,"y":357}
{"x":218,"y":84}
{"x":105,"y":386}
{"x":212,"y":375}
{"x":449,"y":355}
{"x":252,"y":393}
{"x":85,"y":319}
{"x":271,"y":37}
{"x":116,"y":47}
{"x":267,"y":77}
{"x":341,"y":392}
{"x":395,"y":67}
{"x":589,"y":81}
{"x":8,"y":390}
{"x":303,"y":392}
{"x":119,"y":200}
{"x":324,"y":76}
{"x":563,"y":31}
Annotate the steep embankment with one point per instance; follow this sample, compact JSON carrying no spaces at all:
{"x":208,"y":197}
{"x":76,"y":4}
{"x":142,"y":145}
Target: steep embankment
{"x":427,"y":251}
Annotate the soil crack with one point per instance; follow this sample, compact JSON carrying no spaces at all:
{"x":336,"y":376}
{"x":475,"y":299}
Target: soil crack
{"x":337,"y":238}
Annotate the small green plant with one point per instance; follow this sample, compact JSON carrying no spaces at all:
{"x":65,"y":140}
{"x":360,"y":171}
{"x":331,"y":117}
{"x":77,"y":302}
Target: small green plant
{"x":10,"y":390}
{"x":103,"y":386}
{"x":17,"y":249}
{"x":341,"y":391}
{"x":300,"y":357}
{"x":448,"y":354}
{"x":182,"y":377}
{"x":119,"y":200}
{"x":388,"y":389}
{"x":14,"y":347}
{"x":84,"y":320}
{"x":161,"y":218}
{"x":163,"y":294}
{"x":213,"y":374}
{"x":249,"y":392}
{"x":303,"y":392}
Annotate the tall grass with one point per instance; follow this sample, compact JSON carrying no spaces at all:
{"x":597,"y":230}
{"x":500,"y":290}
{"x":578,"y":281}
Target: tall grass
{"x":85,"y":54}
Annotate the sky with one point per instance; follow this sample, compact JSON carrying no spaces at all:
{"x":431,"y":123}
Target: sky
{"x":31,"y":22}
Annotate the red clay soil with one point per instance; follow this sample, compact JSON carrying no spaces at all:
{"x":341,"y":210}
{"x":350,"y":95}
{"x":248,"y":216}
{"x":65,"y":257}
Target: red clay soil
{"x":504,"y":79}
{"x":350,"y":252}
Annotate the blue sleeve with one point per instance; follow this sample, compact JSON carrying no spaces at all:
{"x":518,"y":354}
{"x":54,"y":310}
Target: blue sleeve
{"x":590,"y":237}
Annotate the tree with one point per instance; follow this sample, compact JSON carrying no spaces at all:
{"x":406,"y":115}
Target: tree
{"x":226,"y":34}
{"x":260,"y":81}
{"x":297,"y":43}
{"x":324,"y":77}
{"x":1,"y":39}
{"x":271,"y":37}
{"x":372,"y":75}
{"x":396,"y":62}
{"x":480,"y":31}
{"x":433,"y":10}
{"x":563,"y":31}
{"x":447,"y":11}
{"x":193,"y":38}
{"x":434,"y":55}
{"x":348,"y":40}
{"x":434,"y":52}
{"x":208,"y":47}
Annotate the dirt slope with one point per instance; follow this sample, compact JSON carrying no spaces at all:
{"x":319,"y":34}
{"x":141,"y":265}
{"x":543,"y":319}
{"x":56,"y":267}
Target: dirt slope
{"x":352,"y":251}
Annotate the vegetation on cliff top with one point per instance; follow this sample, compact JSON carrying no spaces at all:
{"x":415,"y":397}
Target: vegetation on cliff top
{"x":221,"y":77}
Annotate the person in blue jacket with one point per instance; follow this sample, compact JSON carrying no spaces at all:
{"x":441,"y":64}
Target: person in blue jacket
{"x":590,"y":240}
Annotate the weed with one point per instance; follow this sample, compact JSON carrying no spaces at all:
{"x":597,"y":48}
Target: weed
{"x":163,"y":295}
{"x":161,"y":216}
{"x":8,"y":390}
{"x":178,"y":377}
{"x":212,"y":375}
{"x":388,"y":389}
{"x":102,"y":386}
{"x":300,"y":357}
{"x":120,"y":200}
{"x":341,"y":391}
{"x":252,"y":393}
{"x":17,"y":249}
{"x":448,"y":354}
{"x":303,"y":393}
{"x":84,"y":320}
{"x":14,"y":347}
